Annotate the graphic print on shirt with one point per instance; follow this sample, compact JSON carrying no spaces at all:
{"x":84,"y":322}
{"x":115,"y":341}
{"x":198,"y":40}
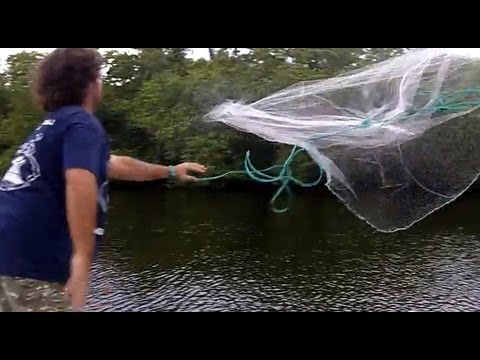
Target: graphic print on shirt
{"x":24,"y":169}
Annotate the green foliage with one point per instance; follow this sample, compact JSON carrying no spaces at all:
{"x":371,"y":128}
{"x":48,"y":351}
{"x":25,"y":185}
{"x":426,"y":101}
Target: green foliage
{"x":18,"y":115}
{"x":155,"y":100}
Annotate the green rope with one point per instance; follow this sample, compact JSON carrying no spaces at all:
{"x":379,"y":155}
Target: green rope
{"x":284,"y":177}
{"x":448,"y":101}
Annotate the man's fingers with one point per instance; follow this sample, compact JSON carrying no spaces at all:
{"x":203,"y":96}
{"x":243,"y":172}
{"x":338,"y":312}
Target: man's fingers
{"x":185,"y":168}
{"x":188,"y":178}
{"x":77,"y":302}
{"x":196,"y":167}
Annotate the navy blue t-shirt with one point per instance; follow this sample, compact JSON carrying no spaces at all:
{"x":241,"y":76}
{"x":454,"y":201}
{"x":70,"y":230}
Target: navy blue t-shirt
{"x":34,"y":238}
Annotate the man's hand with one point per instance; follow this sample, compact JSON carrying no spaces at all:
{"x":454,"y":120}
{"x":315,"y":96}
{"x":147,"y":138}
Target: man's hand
{"x":78,"y":284}
{"x":182,"y":171}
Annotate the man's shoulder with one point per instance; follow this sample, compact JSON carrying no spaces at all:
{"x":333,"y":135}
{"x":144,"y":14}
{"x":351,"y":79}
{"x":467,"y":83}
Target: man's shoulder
{"x":74,"y":116}
{"x":70,"y":113}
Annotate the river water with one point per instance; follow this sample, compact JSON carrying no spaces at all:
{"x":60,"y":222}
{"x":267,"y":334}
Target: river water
{"x":198,"y":250}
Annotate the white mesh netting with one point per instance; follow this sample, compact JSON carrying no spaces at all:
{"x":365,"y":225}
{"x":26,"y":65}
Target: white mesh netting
{"x":397,"y":140}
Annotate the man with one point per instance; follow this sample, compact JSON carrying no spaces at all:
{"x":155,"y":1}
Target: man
{"x":53,"y":199}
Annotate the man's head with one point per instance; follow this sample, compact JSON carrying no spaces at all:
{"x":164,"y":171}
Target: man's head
{"x":69,"y":76}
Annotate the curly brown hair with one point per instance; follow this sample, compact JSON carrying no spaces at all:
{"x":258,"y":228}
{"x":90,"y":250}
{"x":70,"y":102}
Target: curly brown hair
{"x":62,"y":78}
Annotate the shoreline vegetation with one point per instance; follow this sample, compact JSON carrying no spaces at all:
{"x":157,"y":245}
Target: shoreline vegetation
{"x":155,"y":101}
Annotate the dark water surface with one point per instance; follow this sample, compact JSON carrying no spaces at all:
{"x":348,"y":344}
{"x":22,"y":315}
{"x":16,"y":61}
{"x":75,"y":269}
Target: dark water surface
{"x":196,"y":250}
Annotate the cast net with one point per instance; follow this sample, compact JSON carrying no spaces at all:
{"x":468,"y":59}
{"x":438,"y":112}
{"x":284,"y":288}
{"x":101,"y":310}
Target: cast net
{"x":397,"y":140}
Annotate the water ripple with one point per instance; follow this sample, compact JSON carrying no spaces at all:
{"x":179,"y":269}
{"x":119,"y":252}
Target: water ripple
{"x":213,"y":261}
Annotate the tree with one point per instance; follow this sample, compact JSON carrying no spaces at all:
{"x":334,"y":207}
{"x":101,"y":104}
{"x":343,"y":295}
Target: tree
{"x":20,"y":116}
{"x":155,"y":100}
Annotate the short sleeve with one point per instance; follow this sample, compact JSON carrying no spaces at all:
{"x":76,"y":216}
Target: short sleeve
{"x":82,"y":148}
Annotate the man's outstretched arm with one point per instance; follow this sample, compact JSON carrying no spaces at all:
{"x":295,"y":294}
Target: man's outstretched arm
{"x":130,"y":169}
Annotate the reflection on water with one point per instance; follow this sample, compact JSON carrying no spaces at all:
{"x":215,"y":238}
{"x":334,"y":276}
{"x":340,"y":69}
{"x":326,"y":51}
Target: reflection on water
{"x":211,"y":251}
